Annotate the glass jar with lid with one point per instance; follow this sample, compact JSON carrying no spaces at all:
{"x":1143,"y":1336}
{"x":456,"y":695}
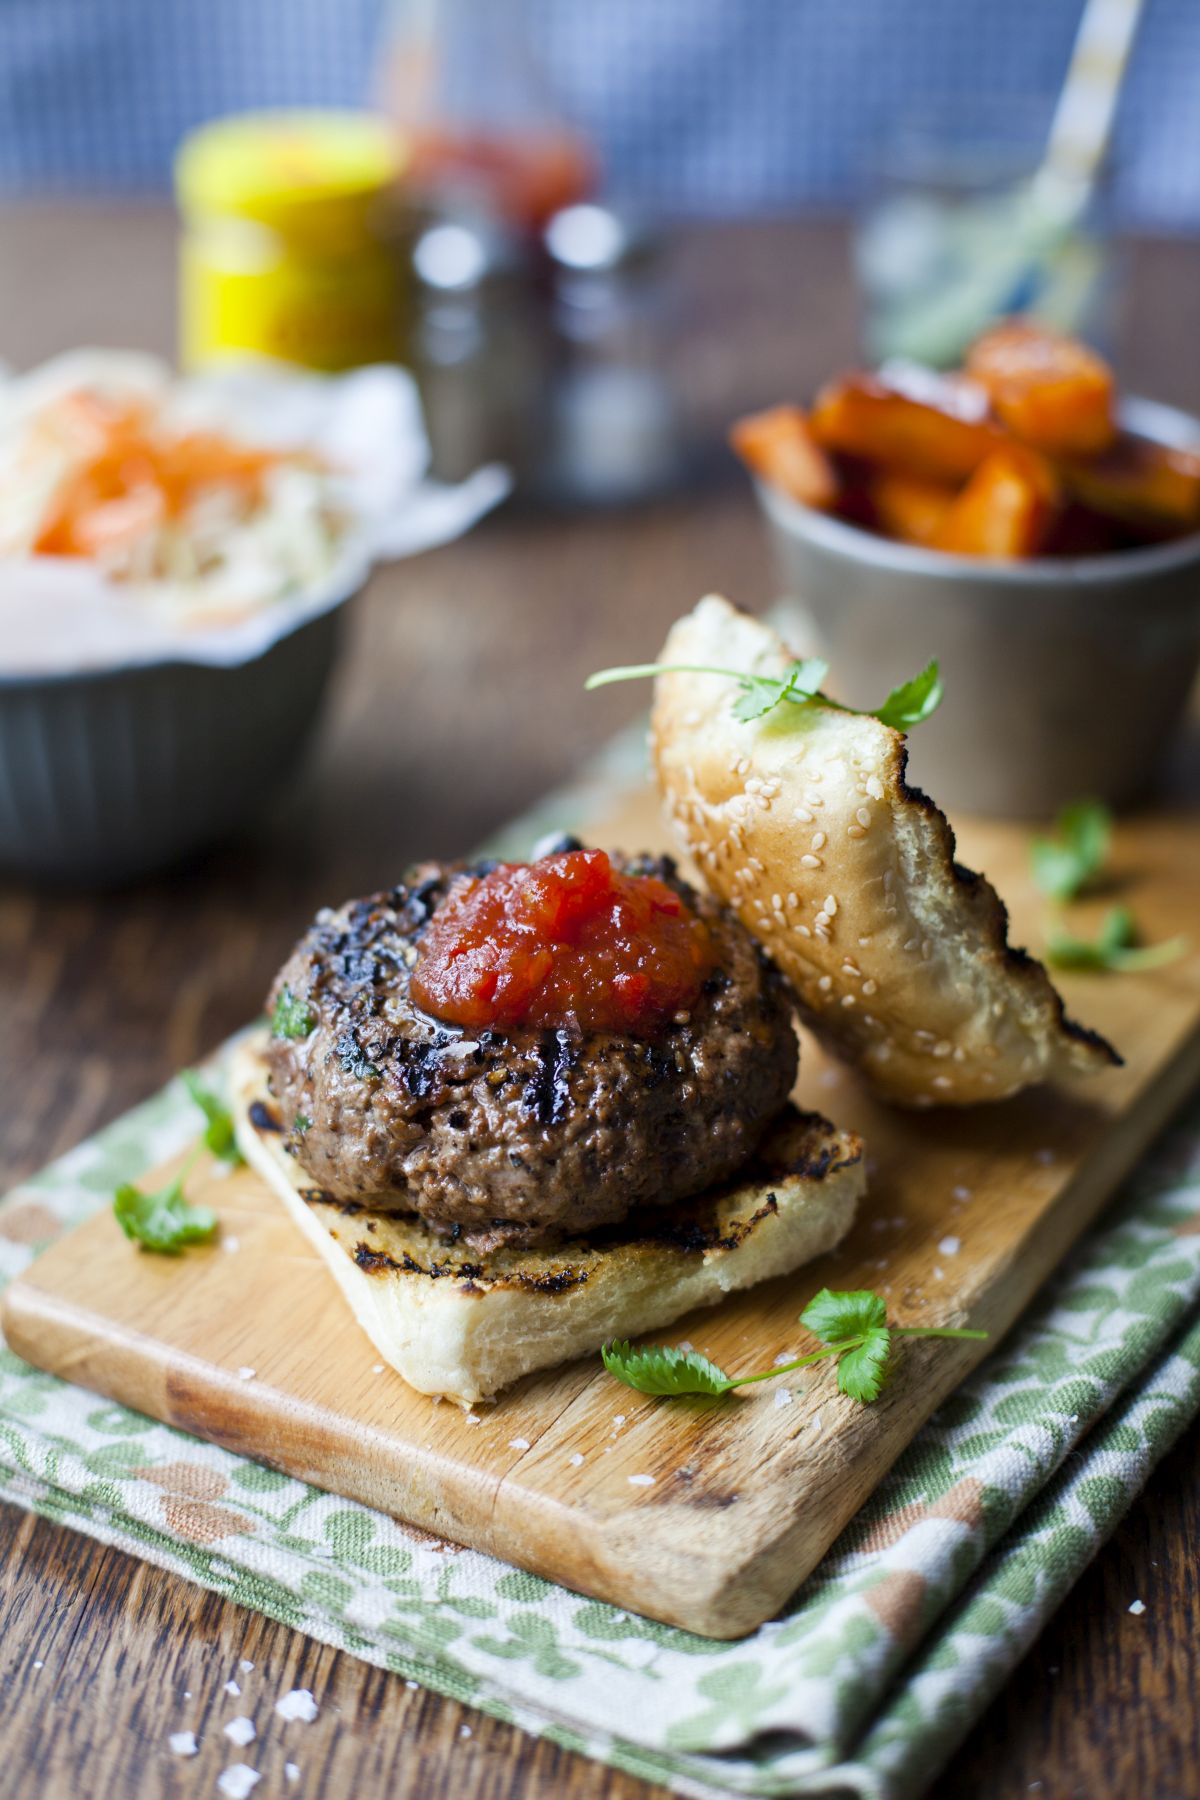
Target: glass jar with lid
{"x":287,"y":249}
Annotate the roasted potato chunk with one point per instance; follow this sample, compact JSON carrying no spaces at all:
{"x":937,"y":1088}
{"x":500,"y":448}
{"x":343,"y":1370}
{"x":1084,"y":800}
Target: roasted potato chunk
{"x":1051,"y":391}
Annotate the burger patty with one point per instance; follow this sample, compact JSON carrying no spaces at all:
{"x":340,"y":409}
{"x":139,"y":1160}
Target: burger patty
{"x":525,"y":1136}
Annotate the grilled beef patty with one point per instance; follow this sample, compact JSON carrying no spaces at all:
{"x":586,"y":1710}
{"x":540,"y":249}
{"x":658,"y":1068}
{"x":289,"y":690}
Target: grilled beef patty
{"x":531,"y":1135}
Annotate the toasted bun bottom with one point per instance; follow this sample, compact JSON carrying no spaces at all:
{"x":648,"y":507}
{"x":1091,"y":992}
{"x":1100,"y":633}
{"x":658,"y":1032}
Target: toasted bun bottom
{"x":466,"y":1325}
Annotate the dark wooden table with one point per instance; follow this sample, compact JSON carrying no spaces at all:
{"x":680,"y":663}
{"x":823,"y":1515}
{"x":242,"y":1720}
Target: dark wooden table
{"x":458,"y":705}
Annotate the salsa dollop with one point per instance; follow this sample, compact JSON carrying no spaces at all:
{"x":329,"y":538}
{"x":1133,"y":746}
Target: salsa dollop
{"x":565,"y":941}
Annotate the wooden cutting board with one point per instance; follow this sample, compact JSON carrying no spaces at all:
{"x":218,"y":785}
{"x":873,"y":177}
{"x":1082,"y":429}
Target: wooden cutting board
{"x":966,"y":1215}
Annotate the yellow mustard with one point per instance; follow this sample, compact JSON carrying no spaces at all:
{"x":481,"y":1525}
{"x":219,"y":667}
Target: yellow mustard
{"x":285,"y":252}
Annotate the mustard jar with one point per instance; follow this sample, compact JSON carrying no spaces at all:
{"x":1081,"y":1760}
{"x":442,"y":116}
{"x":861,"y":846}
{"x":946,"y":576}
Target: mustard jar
{"x":286,"y":250}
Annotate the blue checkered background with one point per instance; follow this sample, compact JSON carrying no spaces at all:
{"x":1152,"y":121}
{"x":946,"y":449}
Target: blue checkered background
{"x":697,"y":105}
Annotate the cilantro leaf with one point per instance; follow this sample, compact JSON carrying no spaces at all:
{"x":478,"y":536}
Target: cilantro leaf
{"x":913,"y":701}
{"x":861,"y":1368}
{"x":1065,"y":864}
{"x":218,"y":1133}
{"x":853,"y":1328}
{"x":662,"y":1369}
{"x":292,"y":1016}
{"x":906,"y":705}
{"x":833,"y":1317}
{"x":1115,"y":947}
{"x":163,"y":1220}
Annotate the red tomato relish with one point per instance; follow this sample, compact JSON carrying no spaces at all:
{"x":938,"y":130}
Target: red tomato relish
{"x":564,"y":941}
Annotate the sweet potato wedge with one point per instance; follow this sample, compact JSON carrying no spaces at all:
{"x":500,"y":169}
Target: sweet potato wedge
{"x":1005,"y":510}
{"x":909,"y":507}
{"x":1051,"y":391}
{"x":1150,"y":486}
{"x":862,"y":415}
{"x":778,"y":446}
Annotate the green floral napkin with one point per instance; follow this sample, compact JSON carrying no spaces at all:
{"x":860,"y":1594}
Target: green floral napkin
{"x":876,"y":1670}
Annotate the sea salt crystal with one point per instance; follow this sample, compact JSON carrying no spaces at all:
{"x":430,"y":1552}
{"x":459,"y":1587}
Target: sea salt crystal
{"x":687,"y":1346}
{"x":939,"y":1274}
{"x":183,"y":1743}
{"x":783,"y":1396}
{"x":1138,"y":1607}
{"x":231,"y":1243}
{"x":292,"y":1771}
{"x":246,"y":1374}
{"x":950,"y":1246}
{"x":785,"y":1356}
{"x":232,"y":1689}
{"x":518,"y":1443}
{"x":618,"y":1418}
{"x":246,"y":1667}
{"x":39,"y":1664}
{"x":241,"y":1731}
{"x":464,"y":1731}
{"x":641,"y":1481}
{"x":413,"y":1685}
{"x":961,"y":1193}
{"x":299,"y":1704}
{"x":472,"y":1418}
{"x":815,"y":1422}
{"x":238,"y":1780}
{"x":377,"y":1368}
{"x":575,"y":1458}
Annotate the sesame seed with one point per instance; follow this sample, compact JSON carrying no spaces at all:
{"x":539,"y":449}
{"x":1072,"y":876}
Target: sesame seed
{"x":869,"y":986}
{"x":825,"y":983}
{"x":848,"y":1000}
{"x":941,"y":1081}
{"x":802,"y":813}
{"x":810,"y":862}
{"x":803,"y":931}
{"x":855,"y":831}
{"x":875,"y":787}
{"x":793,"y":899}
{"x":777,"y":901}
{"x":818,"y":842}
{"x":831,"y":904}
{"x":863,"y":815}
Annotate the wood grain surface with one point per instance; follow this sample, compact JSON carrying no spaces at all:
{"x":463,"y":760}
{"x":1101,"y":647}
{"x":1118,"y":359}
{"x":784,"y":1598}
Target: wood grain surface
{"x":102,"y":996}
{"x":1013,"y":1185}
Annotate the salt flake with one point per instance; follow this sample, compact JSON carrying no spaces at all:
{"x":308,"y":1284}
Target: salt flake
{"x":183,"y":1743}
{"x":237,"y":1781}
{"x":641,"y":1481}
{"x":518,"y":1443}
{"x":783,"y":1396}
{"x":232,"y":1689}
{"x":246,"y":1374}
{"x":299,"y":1704}
{"x":241,"y":1731}
{"x":950,"y":1246}
{"x":245,"y":1667}
{"x":575,"y":1458}
{"x":1138,"y":1608}
{"x":292,"y":1771}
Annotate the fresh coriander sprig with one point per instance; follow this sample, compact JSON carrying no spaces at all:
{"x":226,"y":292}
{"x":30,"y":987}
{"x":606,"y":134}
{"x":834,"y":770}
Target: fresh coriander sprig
{"x":1070,"y":861}
{"x":163,"y":1220}
{"x":1115,"y":947}
{"x":218,"y":1131}
{"x":800,"y":685}
{"x":853,"y":1327}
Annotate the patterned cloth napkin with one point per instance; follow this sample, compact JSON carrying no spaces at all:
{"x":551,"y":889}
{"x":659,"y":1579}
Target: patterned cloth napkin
{"x":886,"y":1656}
